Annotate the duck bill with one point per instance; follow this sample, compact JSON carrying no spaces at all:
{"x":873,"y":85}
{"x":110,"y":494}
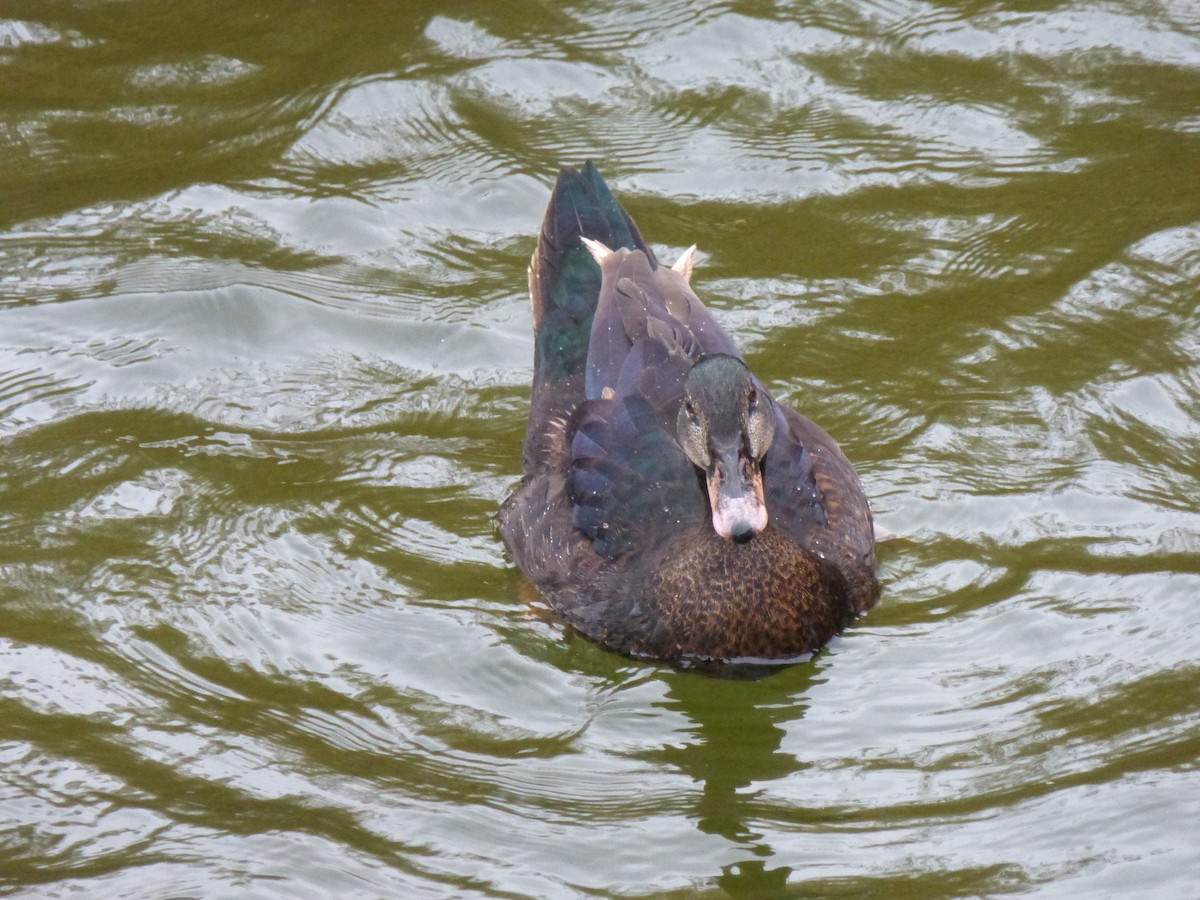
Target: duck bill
{"x":739,"y":510}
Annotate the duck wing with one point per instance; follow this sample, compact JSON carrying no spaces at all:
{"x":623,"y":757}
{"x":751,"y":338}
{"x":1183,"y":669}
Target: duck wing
{"x":814,"y":495}
{"x":640,"y":301}
{"x":564,"y":280}
{"x":629,"y":483}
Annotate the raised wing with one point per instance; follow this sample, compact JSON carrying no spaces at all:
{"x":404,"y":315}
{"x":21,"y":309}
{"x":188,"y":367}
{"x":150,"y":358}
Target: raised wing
{"x":564,"y":280}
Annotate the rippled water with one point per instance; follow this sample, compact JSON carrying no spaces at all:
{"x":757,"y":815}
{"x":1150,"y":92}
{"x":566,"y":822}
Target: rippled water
{"x":264,"y":356}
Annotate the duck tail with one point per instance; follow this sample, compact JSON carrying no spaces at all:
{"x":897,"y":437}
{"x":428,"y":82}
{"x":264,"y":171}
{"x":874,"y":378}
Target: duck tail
{"x":564,"y":279}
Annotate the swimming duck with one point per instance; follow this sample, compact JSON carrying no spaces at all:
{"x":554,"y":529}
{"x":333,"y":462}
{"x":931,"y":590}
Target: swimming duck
{"x":670,"y":508}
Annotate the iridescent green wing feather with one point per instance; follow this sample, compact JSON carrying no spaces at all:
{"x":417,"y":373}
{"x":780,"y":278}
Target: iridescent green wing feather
{"x":564,"y":279}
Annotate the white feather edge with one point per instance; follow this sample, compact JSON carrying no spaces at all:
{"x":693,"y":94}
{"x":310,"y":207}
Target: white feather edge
{"x":598,"y":250}
{"x":686,"y":261}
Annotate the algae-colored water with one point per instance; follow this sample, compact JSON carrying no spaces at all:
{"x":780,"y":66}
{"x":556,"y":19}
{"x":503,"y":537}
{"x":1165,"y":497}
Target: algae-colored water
{"x":264,"y":362}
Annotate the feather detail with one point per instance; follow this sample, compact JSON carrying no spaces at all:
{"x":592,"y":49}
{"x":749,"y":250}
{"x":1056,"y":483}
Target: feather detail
{"x":686,"y":261}
{"x":599,"y":251}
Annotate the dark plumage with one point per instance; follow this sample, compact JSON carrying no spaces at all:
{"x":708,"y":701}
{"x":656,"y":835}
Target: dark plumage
{"x":670,"y":508}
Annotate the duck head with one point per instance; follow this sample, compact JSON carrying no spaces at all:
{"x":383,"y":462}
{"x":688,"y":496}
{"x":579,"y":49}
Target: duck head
{"x":726,"y":424}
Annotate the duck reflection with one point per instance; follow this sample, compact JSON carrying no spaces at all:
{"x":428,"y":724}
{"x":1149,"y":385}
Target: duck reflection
{"x":737,"y":728}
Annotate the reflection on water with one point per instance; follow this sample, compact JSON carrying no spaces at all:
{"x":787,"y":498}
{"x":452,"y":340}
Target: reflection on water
{"x":730,"y":745}
{"x":264,"y":365}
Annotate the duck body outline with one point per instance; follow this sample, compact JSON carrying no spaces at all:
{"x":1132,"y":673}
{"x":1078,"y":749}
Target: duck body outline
{"x":670,"y":508}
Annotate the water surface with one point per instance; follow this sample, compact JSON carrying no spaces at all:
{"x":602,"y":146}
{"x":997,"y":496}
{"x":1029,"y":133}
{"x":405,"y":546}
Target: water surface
{"x":264,"y":362}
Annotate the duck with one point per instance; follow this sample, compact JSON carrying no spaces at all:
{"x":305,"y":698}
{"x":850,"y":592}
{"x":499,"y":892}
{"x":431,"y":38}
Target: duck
{"x":670,"y":508}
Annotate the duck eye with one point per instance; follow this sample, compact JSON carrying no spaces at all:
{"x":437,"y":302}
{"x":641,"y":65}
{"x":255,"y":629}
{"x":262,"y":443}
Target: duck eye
{"x":690,"y":410}
{"x":753,"y":398}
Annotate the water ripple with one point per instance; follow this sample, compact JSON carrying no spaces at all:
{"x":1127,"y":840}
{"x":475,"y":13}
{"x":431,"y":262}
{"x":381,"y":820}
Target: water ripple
{"x":264,"y":371}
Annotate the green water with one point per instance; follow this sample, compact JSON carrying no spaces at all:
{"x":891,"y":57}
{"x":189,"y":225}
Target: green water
{"x":264,"y":361}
